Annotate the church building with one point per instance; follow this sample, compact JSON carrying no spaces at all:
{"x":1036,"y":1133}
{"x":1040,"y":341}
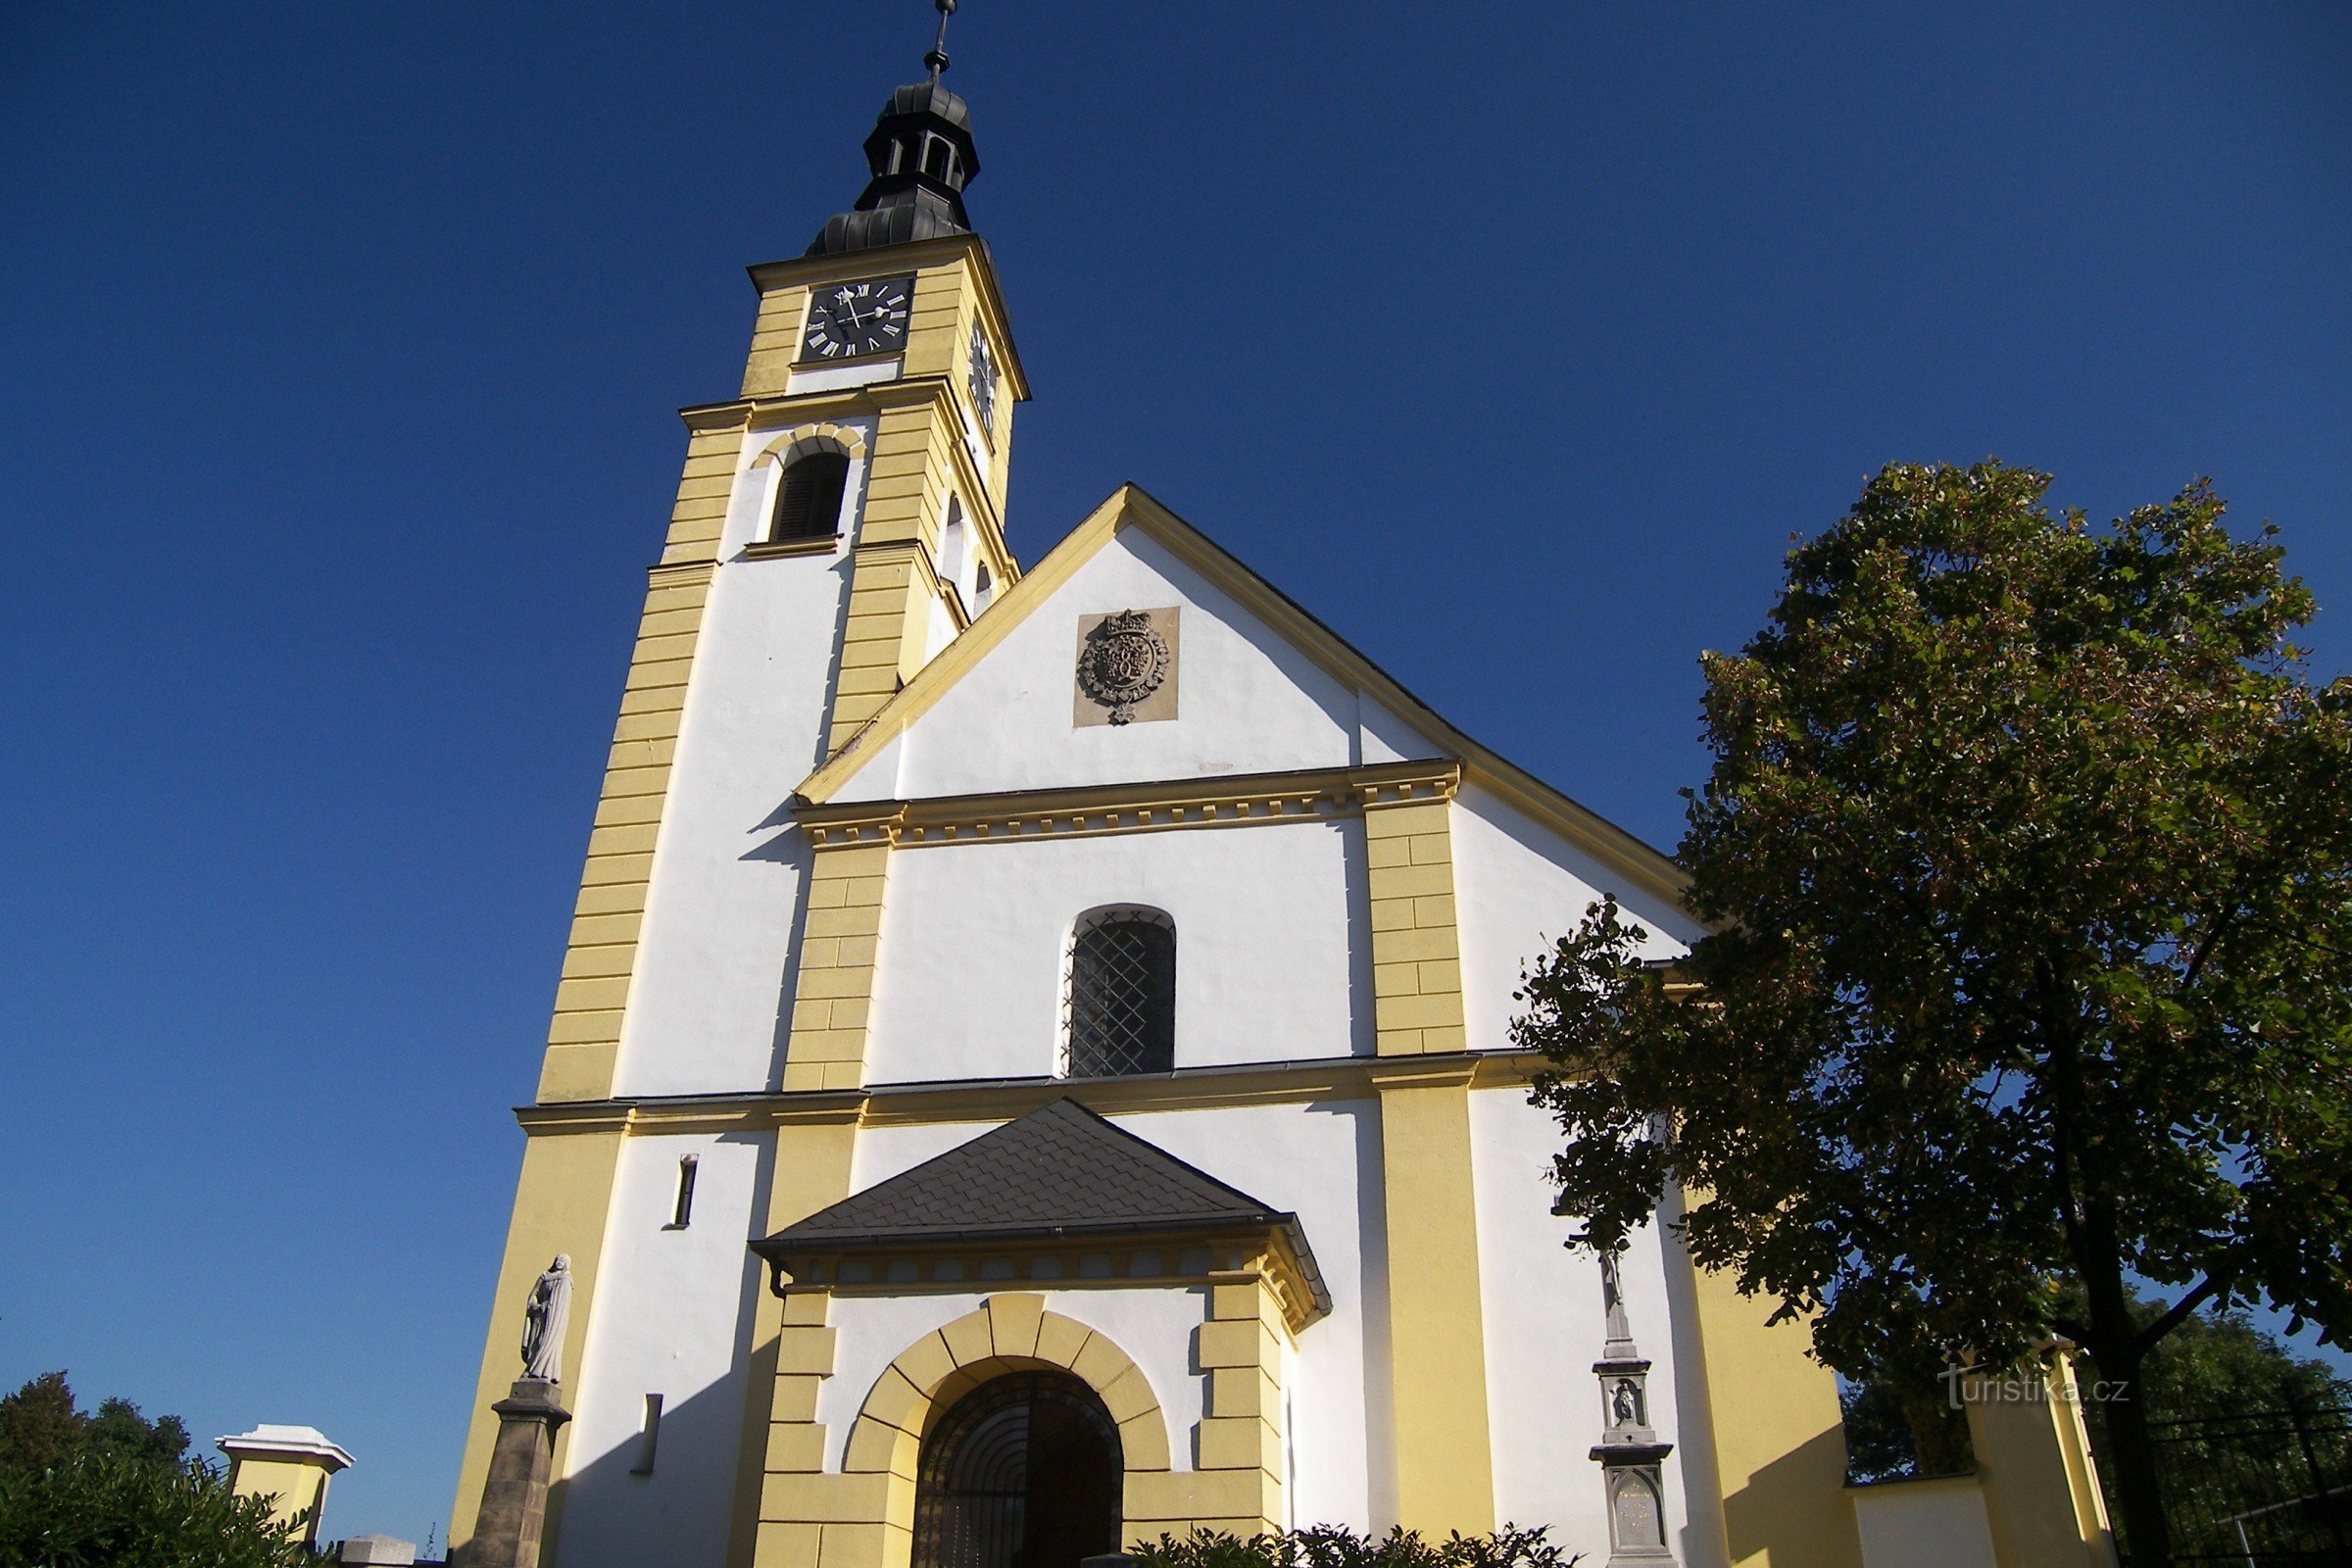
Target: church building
{"x":1032,"y":1071}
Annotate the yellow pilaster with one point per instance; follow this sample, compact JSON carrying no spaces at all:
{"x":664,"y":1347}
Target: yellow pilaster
{"x":840,"y":928}
{"x":2041,"y":1493}
{"x":1238,"y":1444}
{"x":1416,"y":951}
{"x":1780,"y":1445}
{"x":1436,"y":1336}
{"x":811,"y":1172}
{"x":894,"y":584}
{"x":561,"y":1203}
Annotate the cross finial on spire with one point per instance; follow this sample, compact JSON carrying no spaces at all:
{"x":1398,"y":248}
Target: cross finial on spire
{"x":937,"y":58}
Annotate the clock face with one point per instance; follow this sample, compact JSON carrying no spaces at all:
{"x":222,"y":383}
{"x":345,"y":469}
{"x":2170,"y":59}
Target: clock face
{"x":983,"y":380}
{"x":849,"y":320}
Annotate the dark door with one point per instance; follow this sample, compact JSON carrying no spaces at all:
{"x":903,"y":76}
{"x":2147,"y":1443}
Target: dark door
{"x":1023,"y":1472}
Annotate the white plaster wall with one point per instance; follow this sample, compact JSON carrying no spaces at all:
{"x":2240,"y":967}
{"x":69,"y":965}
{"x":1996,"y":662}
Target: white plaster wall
{"x":669,"y":1317}
{"x":1924,"y":1524}
{"x":1270,"y":960}
{"x":1321,"y":1161}
{"x":1247,"y":702}
{"x":714,"y":965}
{"x":1546,"y":1324}
{"x":1519,"y":887}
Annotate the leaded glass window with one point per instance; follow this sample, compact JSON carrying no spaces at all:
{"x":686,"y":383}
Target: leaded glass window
{"x":1122,"y":995}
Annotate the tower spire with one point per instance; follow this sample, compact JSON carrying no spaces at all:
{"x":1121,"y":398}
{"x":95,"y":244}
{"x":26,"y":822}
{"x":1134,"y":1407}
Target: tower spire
{"x":937,"y":58}
{"x":920,"y":156}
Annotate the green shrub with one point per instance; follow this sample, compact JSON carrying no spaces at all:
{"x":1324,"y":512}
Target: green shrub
{"x":1332,"y":1547}
{"x":125,"y":1512}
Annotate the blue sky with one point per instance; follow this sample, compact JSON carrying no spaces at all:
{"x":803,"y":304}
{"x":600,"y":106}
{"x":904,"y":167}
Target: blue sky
{"x":340,"y":351}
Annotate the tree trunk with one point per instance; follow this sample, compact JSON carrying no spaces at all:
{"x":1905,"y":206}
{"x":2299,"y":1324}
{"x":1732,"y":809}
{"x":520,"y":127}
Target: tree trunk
{"x":2130,"y":1463}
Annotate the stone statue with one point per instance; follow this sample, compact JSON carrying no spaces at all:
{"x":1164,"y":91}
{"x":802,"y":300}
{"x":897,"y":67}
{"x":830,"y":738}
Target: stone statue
{"x":1612,"y":1299}
{"x":543,"y":1322}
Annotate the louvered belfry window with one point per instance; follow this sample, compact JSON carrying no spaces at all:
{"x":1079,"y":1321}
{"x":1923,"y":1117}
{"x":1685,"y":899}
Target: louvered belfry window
{"x":808,"y":502}
{"x":1122,"y":1002}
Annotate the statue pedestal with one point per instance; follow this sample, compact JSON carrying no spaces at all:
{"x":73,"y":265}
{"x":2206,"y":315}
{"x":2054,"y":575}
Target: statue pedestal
{"x":506,"y":1534}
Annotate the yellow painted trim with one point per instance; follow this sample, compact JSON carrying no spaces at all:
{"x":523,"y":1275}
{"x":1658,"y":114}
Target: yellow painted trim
{"x":1436,"y":1334}
{"x":1129,"y":506}
{"x":1416,"y":949}
{"x":295,"y":1487}
{"x":813,"y":437}
{"x":840,"y":927}
{"x":1230,"y":799}
{"x":2041,"y":1491}
{"x":561,"y":1203}
{"x":583,"y":1038}
{"x":1777,"y":1431}
{"x":862,"y":1516}
{"x":808,"y":1170}
{"x":810,"y":272}
{"x":932,"y":398}
{"x":915,"y":1104}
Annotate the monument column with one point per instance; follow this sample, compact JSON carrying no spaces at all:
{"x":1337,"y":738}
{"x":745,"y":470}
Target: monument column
{"x":514,"y":1513}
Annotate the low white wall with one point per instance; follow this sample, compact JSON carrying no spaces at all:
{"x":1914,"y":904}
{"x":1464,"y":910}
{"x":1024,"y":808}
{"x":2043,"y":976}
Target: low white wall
{"x":1924,"y":1524}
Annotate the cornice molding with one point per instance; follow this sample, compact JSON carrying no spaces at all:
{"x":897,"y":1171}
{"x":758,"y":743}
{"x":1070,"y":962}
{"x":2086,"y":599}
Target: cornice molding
{"x":1251,"y":800}
{"x":910,"y":1104}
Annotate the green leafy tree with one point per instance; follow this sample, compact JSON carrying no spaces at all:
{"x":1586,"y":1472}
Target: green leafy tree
{"x":2027,"y":858}
{"x":40,"y":1427}
{"x":38,"y":1423}
{"x":122,"y":1511}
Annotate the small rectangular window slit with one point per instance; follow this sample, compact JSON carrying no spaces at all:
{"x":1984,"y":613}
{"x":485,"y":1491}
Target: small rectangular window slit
{"x":649,"y":1437}
{"x":683,"y":1214}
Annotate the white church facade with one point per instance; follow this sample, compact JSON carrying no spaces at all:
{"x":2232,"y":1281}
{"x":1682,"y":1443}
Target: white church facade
{"x":1031,"y":1070}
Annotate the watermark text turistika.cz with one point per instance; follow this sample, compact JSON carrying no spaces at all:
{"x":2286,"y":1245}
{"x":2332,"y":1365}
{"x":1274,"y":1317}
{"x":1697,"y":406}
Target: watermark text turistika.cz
{"x":1965,"y":1386}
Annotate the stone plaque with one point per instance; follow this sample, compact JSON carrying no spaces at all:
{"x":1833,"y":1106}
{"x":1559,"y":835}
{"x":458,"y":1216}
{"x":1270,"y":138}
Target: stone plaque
{"x":1126,"y":667}
{"x":1634,"y":1522}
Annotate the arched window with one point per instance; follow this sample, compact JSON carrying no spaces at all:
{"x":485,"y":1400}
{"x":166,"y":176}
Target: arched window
{"x":1121,"y":1002}
{"x":984,"y":588}
{"x":1025,"y":1471}
{"x":808,"y":500}
{"x":939,"y":159}
{"x":950,"y":545}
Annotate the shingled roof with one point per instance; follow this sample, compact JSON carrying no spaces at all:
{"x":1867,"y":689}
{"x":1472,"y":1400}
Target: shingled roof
{"x":1061,"y":1172}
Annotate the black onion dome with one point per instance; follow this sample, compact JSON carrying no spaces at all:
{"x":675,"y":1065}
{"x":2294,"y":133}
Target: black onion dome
{"x":921,"y":157}
{"x":932,"y":98}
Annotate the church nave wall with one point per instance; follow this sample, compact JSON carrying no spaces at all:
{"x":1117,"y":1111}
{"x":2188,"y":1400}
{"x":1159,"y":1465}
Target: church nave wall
{"x":1270,"y":960}
{"x":1519,"y":887}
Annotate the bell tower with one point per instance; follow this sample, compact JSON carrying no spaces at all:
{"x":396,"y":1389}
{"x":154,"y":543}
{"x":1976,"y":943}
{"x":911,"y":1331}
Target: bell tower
{"x":839,"y":522}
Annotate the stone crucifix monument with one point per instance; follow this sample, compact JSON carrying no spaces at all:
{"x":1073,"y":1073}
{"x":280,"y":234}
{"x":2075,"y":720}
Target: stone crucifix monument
{"x":514,"y":1513}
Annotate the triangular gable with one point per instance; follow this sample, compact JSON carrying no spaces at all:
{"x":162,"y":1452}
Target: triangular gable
{"x":1129,"y":506}
{"x":1059,"y":1173}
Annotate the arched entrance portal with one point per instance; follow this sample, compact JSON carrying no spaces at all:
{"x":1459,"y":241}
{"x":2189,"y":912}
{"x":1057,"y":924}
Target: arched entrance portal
{"x":1022,"y":1472}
